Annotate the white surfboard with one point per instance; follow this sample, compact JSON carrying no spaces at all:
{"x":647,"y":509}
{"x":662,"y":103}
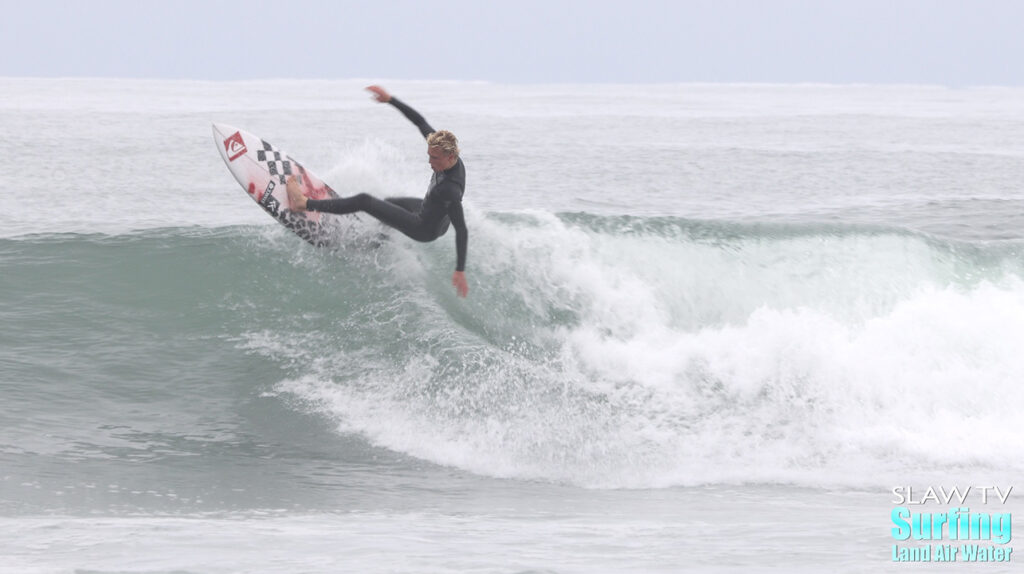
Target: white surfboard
{"x":262,"y":171}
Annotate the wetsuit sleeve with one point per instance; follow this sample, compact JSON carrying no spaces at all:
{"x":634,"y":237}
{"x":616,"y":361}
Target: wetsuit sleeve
{"x":413,"y":116}
{"x":458,"y":220}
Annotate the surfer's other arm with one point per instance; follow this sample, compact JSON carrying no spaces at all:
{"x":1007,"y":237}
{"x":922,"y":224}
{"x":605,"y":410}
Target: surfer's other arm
{"x":458,"y":219}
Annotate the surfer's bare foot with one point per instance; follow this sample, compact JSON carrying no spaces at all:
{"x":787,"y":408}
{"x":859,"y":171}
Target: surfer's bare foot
{"x":296,"y":201}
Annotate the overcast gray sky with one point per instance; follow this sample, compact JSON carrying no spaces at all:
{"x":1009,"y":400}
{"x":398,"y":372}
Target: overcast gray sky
{"x":947,"y":42}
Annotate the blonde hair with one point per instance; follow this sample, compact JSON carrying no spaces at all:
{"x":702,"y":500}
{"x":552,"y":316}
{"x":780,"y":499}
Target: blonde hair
{"x":445,"y":141}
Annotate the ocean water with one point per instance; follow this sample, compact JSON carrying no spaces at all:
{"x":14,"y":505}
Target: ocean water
{"x":710,"y":328}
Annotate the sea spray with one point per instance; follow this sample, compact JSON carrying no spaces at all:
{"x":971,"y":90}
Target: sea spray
{"x":624,"y":352}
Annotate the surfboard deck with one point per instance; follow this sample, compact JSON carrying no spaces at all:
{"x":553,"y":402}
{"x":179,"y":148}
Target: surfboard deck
{"x":262,"y":171}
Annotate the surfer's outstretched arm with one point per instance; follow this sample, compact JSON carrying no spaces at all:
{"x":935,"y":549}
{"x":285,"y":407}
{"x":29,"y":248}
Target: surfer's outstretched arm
{"x":412,"y":115}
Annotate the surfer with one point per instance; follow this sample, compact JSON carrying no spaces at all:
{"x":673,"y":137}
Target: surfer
{"x":421,"y":219}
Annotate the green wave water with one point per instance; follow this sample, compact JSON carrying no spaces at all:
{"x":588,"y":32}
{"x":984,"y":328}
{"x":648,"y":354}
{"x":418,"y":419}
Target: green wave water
{"x":599,"y":351}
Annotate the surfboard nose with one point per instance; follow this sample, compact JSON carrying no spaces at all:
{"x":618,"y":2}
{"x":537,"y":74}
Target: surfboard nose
{"x":222,"y":130}
{"x":229,"y":141}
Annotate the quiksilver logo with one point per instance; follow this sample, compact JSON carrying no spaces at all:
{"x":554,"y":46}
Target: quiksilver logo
{"x":235,"y":146}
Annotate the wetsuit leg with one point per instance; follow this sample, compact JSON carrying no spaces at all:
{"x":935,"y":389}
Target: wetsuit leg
{"x":412,"y":204}
{"x":387,"y":212}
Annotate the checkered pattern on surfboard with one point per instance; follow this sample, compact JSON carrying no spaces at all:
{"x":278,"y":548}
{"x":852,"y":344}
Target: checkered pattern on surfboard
{"x":278,"y":165}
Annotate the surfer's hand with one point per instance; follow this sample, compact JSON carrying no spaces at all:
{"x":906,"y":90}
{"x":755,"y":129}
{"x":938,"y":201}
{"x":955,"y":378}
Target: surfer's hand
{"x":296,"y":201}
{"x":459,"y":281}
{"x":380,"y":94}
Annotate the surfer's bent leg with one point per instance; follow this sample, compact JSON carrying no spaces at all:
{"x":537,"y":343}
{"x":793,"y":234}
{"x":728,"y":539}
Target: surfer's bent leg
{"x":412,"y":204}
{"x":388,"y":212}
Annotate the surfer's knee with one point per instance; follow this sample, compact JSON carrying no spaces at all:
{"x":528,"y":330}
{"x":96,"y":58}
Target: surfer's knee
{"x":362,"y":200}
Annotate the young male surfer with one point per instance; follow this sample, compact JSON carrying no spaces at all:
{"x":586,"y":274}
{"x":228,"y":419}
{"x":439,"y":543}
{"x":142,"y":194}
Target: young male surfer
{"x":421,"y":219}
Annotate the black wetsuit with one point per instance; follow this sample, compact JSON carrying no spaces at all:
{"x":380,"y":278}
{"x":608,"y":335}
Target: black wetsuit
{"x":421,"y":219}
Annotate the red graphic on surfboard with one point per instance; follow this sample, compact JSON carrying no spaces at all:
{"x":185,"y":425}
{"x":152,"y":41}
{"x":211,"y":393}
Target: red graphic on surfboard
{"x":235,"y":146}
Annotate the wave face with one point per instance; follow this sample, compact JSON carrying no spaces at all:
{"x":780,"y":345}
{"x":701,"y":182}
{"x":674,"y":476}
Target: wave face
{"x":594,"y":351}
{"x":649,"y":352}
